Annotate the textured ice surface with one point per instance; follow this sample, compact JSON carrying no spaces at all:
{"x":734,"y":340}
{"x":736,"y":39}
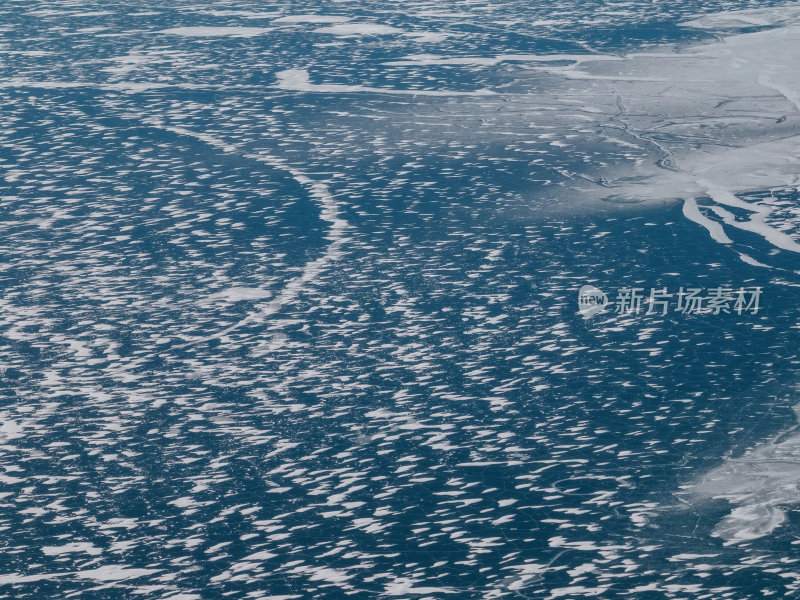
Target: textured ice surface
{"x":292,"y":315}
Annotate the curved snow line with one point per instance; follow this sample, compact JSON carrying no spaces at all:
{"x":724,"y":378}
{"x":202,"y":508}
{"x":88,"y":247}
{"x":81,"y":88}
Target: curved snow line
{"x":329,"y":211}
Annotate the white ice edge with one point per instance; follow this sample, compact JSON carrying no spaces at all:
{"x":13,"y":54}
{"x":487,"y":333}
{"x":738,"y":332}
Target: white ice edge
{"x":692,"y":212}
{"x":432,"y":60}
{"x":299,"y":80}
{"x":760,"y":484}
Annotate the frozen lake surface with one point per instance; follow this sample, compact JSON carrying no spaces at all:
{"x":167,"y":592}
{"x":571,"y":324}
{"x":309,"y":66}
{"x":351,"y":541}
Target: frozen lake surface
{"x":289,"y":300}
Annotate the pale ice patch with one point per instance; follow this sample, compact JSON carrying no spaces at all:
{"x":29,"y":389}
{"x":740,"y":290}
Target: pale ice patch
{"x":357,"y":29}
{"x":405,"y":586}
{"x":759,"y":485}
{"x":237,"y":294}
{"x":114,"y":573}
{"x":26,"y":52}
{"x":311,"y":19}
{"x":12,"y":578}
{"x":746,"y":258}
{"x":184,"y":502}
{"x":10,"y":429}
{"x":444,"y":14}
{"x":71,"y":548}
{"x":432,"y":59}
{"x":129,"y":87}
{"x":263,"y":555}
{"x":216,"y":31}
{"x":300,"y":80}
{"x":427,"y":36}
{"x":750,"y":522}
{"x":578,"y":590}
{"x":247,"y":14}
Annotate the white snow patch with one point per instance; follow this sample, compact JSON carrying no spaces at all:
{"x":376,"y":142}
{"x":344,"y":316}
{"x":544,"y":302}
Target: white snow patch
{"x":216,"y":31}
{"x":72,"y":548}
{"x":357,"y":29}
{"x":237,"y":294}
{"x":311,"y":19}
{"x":114,"y":573}
{"x":299,"y":80}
